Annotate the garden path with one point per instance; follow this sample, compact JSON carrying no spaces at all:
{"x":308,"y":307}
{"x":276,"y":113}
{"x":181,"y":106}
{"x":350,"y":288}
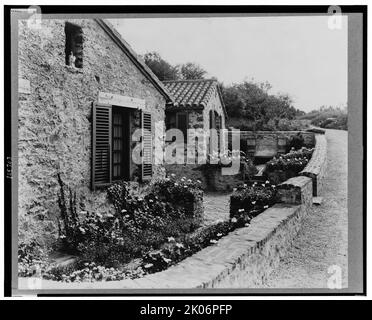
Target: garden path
{"x":216,"y":206}
{"x":323,"y":238}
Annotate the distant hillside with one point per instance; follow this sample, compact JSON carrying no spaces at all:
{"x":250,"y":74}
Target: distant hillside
{"x":327,"y":117}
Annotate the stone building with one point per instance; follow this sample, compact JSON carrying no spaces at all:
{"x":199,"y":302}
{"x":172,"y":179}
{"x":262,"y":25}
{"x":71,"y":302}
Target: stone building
{"x":197,"y":104}
{"x":82,"y":93}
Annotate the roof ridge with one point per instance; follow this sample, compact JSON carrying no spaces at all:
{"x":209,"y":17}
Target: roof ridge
{"x":191,"y":80}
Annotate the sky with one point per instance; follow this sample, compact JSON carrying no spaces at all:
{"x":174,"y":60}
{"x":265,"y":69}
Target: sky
{"x":300,"y":56}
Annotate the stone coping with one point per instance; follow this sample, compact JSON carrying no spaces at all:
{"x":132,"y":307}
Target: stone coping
{"x":316,"y":168}
{"x":244,"y":258}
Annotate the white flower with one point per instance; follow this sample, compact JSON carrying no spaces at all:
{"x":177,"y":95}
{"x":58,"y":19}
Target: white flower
{"x":263,"y":184}
{"x":149,"y":265}
{"x":233,"y":220}
{"x":234,"y":189}
{"x":151,"y":200}
{"x":265,"y":207}
{"x":173,"y":175}
{"x":244,"y":185}
{"x":167,"y":260}
{"x":213,"y":241}
{"x":267,"y":181}
{"x":247,"y":224}
{"x":253,"y":202}
{"x":198,"y":181}
{"x":219,"y":220}
{"x":179,"y":245}
{"x":176,"y":184}
{"x":123,"y":211}
{"x":170,"y":239}
{"x":189,"y":180}
{"x":219,"y":234}
{"x":62,"y":237}
{"x":273,"y":185}
{"x":240,"y":210}
{"x":81,"y":229}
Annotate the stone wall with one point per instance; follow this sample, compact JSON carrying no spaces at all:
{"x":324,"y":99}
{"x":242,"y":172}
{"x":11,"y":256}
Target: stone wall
{"x":54,"y":118}
{"x":317,"y":166}
{"x":269,"y":143}
{"x":214,"y":103}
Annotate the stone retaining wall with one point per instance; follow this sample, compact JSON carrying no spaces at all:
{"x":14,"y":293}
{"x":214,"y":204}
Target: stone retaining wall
{"x":270,"y":143}
{"x":242,"y":259}
{"x":316,"y":168}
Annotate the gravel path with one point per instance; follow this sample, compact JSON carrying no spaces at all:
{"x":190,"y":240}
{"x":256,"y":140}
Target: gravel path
{"x":322,"y":240}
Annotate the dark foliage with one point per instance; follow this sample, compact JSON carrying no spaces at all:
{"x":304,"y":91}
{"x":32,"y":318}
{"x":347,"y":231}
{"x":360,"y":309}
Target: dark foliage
{"x":251,"y":199}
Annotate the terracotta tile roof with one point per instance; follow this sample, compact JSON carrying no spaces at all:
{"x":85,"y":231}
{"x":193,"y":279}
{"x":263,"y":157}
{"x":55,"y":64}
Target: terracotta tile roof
{"x":191,"y":93}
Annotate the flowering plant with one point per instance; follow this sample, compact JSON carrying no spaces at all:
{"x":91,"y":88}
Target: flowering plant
{"x":176,"y":250}
{"x":251,"y":199}
{"x":295,"y":160}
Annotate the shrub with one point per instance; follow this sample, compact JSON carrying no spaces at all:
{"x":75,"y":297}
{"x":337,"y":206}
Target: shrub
{"x":184,"y":194}
{"x":32,"y":258}
{"x":248,"y":201}
{"x":296,"y":142}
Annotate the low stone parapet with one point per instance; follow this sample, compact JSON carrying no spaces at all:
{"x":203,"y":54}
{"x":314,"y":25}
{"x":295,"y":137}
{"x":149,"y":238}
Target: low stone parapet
{"x":316,"y":168}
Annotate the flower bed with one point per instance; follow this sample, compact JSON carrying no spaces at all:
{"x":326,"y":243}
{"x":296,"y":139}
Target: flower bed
{"x":284,"y":167}
{"x":178,"y":249}
{"x":251,"y":199}
{"x":106,"y":244}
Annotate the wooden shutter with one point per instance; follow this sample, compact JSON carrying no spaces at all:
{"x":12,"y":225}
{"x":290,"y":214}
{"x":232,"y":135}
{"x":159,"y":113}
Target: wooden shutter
{"x":146,"y":146}
{"x":101,"y":145}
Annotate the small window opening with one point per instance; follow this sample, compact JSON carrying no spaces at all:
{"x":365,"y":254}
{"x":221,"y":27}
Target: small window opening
{"x":74,"y":45}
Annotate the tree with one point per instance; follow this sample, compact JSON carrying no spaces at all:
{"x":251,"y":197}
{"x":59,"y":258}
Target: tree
{"x":191,"y":71}
{"x":161,"y":68}
{"x":250,"y":101}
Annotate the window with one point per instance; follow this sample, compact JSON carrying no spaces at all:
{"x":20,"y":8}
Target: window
{"x":111,"y":156}
{"x":120,"y":144}
{"x":74,"y":45}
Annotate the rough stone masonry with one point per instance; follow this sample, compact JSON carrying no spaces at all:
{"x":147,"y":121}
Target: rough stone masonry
{"x":54,"y":115}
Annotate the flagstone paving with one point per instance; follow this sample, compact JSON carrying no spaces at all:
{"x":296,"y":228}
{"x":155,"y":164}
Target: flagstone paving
{"x":216,"y":207}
